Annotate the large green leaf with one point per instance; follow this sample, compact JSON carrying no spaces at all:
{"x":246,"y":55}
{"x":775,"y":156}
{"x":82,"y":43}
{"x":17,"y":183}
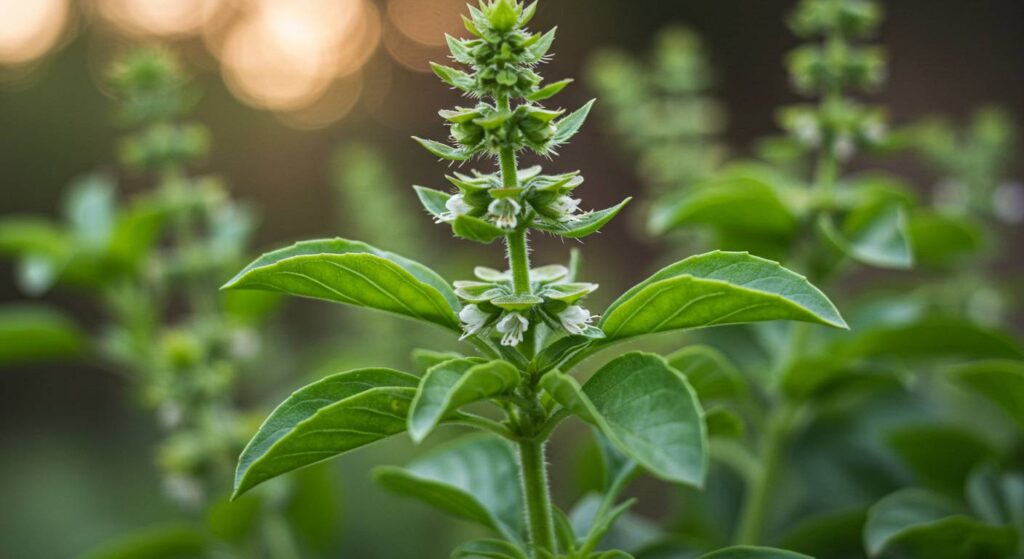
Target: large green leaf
{"x":941,"y":239}
{"x":30,"y":334}
{"x":452,"y":384}
{"x":710,"y":373}
{"x":997,"y":497}
{"x":714,"y":289}
{"x":647,"y":410}
{"x":1001,"y":381}
{"x":172,"y":541}
{"x":940,"y":456}
{"x":927,"y":525}
{"x":337,"y":414}
{"x":751,"y":552}
{"x":353,"y":273}
{"x":876,"y":235}
{"x":474,"y":478}
{"x":21,"y":235}
{"x":740,"y":204}
{"x":934,"y":337}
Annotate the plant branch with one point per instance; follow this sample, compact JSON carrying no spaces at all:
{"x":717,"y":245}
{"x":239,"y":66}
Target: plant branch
{"x":538,"y":497}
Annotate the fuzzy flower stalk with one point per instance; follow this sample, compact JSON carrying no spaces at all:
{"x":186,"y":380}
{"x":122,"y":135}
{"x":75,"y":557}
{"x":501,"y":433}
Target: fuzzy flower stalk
{"x":505,"y":118}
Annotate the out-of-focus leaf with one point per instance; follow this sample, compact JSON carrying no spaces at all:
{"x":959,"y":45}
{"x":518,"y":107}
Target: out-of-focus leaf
{"x":646,"y":409}
{"x":924,"y":524}
{"x":714,"y":289}
{"x":942,"y":240}
{"x":876,"y":235}
{"x":710,"y":373}
{"x":34,"y":333}
{"x":724,"y":423}
{"x":933,"y":337}
{"x":313,"y":510}
{"x":173,"y":541}
{"x":940,"y":456}
{"x":737,"y":204}
{"x":835,"y":535}
{"x":997,"y":497}
{"x":1000,"y":381}
{"x":250,"y":308}
{"x":488,"y":549}
{"x":752,"y":552}
{"x":354,"y":273}
{"x":329,"y":417}
{"x":21,"y":235}
{"x":452,"y":384}
{"x":474,"y":478}
{"x":233,"y":521}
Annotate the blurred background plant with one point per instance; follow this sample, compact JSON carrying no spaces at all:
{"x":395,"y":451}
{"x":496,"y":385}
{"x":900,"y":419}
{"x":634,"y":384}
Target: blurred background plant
{"x":84,"y":461}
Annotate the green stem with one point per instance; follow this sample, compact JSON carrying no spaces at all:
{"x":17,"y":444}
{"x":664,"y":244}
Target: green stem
{"x":760,"y":493}
{"x":519,"y":261}
{"x":538,"y":498}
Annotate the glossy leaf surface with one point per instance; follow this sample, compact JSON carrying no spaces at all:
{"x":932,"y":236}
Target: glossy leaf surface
{"x":340,"y":413}
{"x":646,"y":409}
{"x":356,"y":274}
{"x":714,"y":289}
{"x":474,"y":478}
{"x":452,"y":384}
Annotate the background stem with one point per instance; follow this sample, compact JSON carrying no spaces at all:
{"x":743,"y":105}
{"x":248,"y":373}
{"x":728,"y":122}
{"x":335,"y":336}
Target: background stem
{"x":538,"y":498}
{"x":760,"y":493}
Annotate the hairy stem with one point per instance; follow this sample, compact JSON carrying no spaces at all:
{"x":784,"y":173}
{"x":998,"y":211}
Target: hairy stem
{"x":538,"y":498}
{"x":761,"y":491}
{"x":519,"y":261}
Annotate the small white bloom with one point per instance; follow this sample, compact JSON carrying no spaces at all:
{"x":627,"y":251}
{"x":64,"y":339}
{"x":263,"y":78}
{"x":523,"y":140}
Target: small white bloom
{"x":473,"y":319}
{"x":512,"y":327}
{"x":504,"y":211}
{"x":575,"y":319}
{"x":456,"y":206}
{"x":807,"y":130}
{"x":844,"y":147}
{"x":566,"y":208}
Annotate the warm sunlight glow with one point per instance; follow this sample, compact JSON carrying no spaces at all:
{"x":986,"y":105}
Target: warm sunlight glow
{"x":284,"y":55}
{"x":30,"y":28}
{"x":159,"y":17}
{"x":426,"y":22}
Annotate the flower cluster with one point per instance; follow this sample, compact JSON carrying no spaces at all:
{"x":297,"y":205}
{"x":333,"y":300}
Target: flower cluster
{"x":490,"y":303}
{"x":839,"y":124}
{"x":538,"y":198}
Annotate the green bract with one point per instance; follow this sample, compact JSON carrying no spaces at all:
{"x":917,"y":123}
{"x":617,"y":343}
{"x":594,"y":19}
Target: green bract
{"x":528,"y":324}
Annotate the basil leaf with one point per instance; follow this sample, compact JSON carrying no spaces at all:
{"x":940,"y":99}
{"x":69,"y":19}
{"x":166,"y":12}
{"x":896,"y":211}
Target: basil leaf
{"x":356,"y":274}
{"x":567,"y":127}
{"x":725,"y":205}
{"x":37,"y":333}
{"x":646,"y":409}
{"x":329,"y":417}
{"x":714,"y":289}
{"x":476,"y":229}
{"x":928,"y":525}
{"x":452,"y":384}
{"x":752,"y":552}
{"x":1000,"y":381}
{"x":488,"y":549}
{"x":587,"y":224}
{"x":876,"y":235}
{"x":474,"y":478}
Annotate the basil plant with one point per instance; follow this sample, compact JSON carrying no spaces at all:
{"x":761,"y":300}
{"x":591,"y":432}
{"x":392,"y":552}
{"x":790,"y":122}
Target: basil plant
{"x":526,"y":329}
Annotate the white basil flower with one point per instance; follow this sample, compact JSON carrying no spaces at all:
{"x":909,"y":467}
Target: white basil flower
{"x":512,"y":326}
{"x":566,"y":208}
{"x":505,"y":212}
{"x":456,"y":206}
{"x":575,"y":319}
{"x":473,"y":320}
